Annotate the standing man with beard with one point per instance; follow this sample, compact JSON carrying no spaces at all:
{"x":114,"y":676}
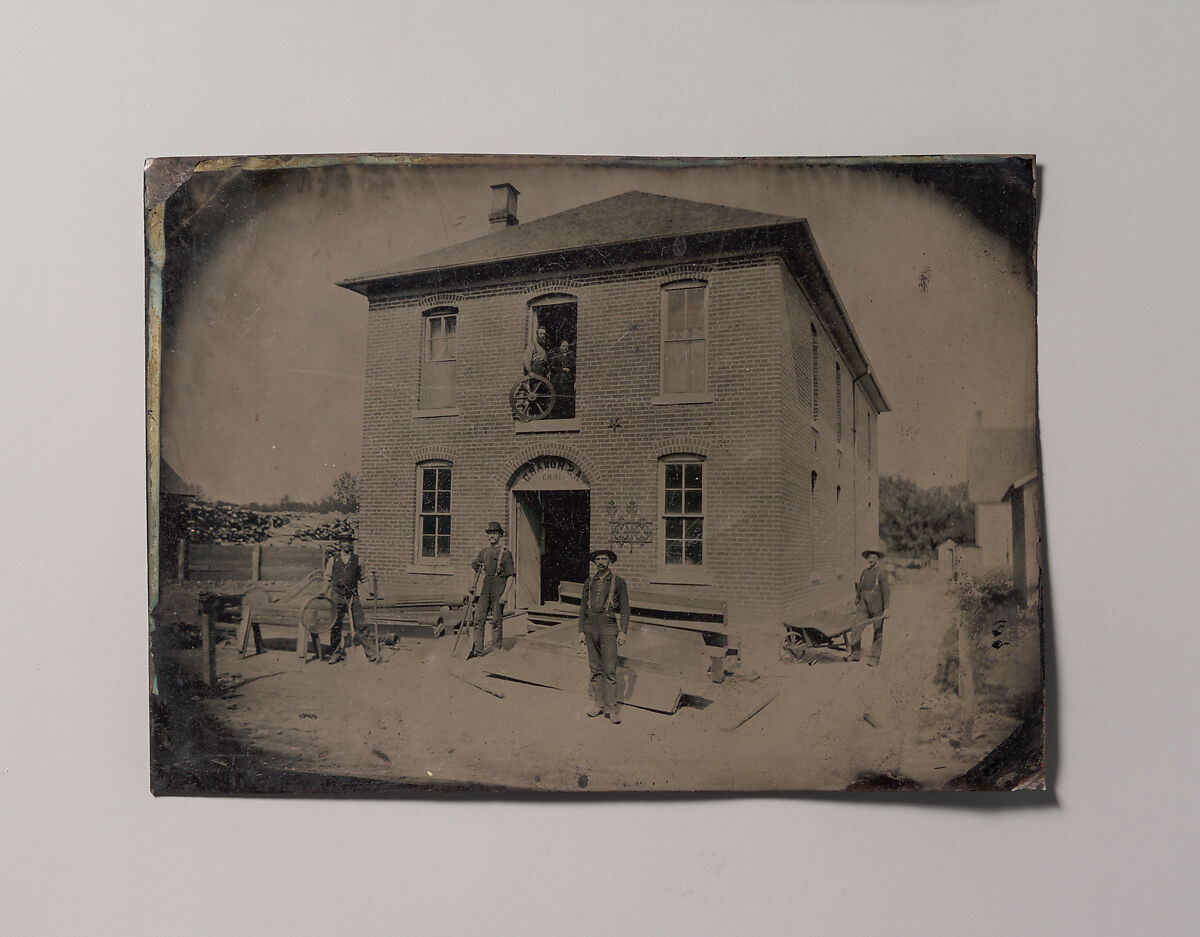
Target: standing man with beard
{"x":498,"y":576}
{"x":343,"y":573}
{"x":603,"y":625}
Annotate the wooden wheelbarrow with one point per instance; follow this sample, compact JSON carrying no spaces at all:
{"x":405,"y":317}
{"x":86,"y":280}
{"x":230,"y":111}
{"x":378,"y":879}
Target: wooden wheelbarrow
{"x":822,"y":630}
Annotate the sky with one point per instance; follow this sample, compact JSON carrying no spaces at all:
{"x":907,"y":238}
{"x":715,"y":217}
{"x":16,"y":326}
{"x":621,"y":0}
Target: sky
{"x":263,"y":354}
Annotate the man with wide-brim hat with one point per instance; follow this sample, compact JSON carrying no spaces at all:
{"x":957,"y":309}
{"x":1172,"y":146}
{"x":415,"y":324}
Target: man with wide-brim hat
{"x":603,"y":625}
{"x":494,"y":565}
{"x":872,"y":595}
{"x":343,"y":573}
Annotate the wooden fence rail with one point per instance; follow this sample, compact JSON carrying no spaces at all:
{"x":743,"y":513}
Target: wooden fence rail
{"x":246,"y":561}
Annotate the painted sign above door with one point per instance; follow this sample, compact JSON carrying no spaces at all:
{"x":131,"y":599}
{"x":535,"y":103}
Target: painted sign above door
{"x":549,"y":473}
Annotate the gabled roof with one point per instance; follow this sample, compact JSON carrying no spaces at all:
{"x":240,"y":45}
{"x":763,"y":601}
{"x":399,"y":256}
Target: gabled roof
{"x":995,"y":457}
{"x":633,"y":216}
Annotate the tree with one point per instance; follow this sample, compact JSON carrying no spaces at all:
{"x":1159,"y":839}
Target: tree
{"x":915,"y":520}
{"x":345,"y":493}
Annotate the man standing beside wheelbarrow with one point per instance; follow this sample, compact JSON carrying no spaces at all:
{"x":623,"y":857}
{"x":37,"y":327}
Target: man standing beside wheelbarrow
{"x":603,"y":624}
{"x":343,"y":573}
{"x":871,"y":598}
{"x":496,"y":562}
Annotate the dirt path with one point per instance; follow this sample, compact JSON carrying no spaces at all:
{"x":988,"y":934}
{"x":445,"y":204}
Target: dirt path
{"x":409,"y":720}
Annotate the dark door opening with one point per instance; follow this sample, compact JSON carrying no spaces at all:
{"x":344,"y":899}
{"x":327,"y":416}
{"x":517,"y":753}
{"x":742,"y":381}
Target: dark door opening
{"x":551,"y":544}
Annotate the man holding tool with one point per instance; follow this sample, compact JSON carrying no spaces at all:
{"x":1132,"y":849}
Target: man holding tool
{"x":603,"y":625}
{"x":496,"y":564}
{"x":871,"y":598}
{"x":343,"y":573}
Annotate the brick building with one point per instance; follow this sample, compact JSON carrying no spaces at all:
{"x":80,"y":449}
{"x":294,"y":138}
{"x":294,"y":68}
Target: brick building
{"x":719,"y":424}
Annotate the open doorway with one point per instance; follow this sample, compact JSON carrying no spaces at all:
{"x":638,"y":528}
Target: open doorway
{"x":552,"y":536}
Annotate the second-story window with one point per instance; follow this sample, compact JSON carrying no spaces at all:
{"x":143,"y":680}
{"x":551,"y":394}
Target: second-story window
{"x":439,"y":359}
{"x":837,"y":389}
{"x":816,"y":380}
{"x":684,"y":329}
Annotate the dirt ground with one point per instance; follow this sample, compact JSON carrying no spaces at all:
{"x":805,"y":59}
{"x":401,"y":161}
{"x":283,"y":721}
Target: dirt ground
{"x":409,"y":722}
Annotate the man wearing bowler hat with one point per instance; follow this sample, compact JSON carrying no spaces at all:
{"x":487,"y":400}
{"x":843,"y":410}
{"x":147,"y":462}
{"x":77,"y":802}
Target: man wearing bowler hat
{"x":498,"y":575}
{"x":871,"y":597}
{"x":343,"y":573}
{"x":603,"y":624}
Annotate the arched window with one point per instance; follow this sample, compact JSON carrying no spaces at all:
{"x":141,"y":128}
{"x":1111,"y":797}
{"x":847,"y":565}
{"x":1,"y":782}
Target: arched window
{"x":681,"y":484}
{"x":434,"y":483}
{"x":439,"y":353}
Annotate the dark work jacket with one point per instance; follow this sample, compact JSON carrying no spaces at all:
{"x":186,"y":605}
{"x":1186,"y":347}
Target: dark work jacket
{"x":615,"y":606}
{"x":873,"y":590}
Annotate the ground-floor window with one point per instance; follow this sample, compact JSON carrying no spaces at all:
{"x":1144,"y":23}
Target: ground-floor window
{"x":433,"y":519}
{"x":682,"y":519}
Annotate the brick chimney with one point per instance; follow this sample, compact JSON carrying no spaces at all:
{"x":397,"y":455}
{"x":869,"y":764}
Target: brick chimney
{"x":504,"y":205}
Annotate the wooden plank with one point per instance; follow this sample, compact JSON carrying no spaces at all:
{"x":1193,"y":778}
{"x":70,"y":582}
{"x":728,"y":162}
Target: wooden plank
{"x":700,"y":627}
{"x":661,"y":650}
{"x":478,"y":686}
{"x":651,"y":602}
{"x":637,"y":688}
{"x":748,"y":712}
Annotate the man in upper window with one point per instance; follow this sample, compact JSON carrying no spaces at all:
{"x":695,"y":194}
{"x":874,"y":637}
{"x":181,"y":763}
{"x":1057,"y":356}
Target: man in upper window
{"x":603,"y":625}
{"x":872,"y":596}
{"x":535,"y":354}
{"x":499,"y":573}
{"x":343,"y":573}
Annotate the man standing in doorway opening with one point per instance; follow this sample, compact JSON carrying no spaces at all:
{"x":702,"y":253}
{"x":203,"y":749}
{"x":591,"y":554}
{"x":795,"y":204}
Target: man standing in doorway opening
{"x":498,"y":576}
{"x":603,"y":625}
{"x":871,"y":597}
{"x":343,"y":573}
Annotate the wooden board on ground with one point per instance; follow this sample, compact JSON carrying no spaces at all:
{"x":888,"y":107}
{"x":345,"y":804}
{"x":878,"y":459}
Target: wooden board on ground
{"x":661,"y":650}
{"x":653,"y":603}
{"x":639,"y":688}
{"x":751,"y":709}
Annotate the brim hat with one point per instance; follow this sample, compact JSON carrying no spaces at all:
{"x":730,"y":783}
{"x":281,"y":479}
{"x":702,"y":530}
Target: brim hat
{"x":877,"y":551}
{"x":494,"y":525}
{"x":609,"y":553}
{"x":344,"y":536}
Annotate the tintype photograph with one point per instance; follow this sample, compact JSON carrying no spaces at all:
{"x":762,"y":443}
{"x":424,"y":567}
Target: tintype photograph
{"x":575,"y":475}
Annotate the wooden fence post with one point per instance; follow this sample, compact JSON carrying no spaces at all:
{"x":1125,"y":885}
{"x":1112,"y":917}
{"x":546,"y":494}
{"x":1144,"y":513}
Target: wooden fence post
{"x":208,"y":644}
{"x":256,"y":562}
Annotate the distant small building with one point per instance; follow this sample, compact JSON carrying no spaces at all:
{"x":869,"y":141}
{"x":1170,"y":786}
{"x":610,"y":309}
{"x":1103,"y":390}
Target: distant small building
{"x":994,"y":458}
{"x":1024,"y":501}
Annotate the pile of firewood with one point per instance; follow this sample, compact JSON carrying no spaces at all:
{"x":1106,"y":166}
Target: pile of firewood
{"x":330,"y":531}
{"x":227,"y":523}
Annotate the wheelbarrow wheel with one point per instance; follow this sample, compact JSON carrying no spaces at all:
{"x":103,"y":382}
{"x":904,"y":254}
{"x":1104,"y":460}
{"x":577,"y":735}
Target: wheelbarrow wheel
{"x":531,"y":398}
{"x":318,"y":615}
{"x":794,"y":648}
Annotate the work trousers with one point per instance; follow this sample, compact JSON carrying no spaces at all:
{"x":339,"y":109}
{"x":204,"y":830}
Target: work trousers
{"x":600,"y":639}
{"x":350,"y":603}
{"x":488,"y":602}
{"x":856,"y":631}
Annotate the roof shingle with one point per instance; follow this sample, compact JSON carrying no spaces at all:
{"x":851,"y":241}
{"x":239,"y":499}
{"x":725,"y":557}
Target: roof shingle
{"x":632,"y":216}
